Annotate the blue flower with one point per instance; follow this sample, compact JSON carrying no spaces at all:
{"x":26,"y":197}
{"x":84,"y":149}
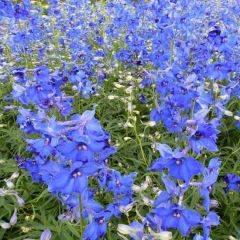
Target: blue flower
{"x":74,"y":179}
{"x":180,"y":166}
{"x":210,"y":176}
{"x":204,"y":136}
{"x":97,"y":227}
{"x":178,"y":217}
{"x":212,"y":219}
{"x":165,"y":197}
{"x":233,"y":182}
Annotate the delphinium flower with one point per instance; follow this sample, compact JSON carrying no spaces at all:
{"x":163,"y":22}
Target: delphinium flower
{"x":176,"y":216}
{"x":179,"y":165}
{"x":212,"y":219}
{"x":210,"y":176}
{"x":203,"y":134}
{"x":233,"y":182}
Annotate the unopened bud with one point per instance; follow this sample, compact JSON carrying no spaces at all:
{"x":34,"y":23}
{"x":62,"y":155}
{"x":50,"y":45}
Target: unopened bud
{"x":191,"y":122}
{"x":216,"y":88}
{"x":129,"y":78}
{"x":214,"y":203}
{"x":13,"y":219}
{"x":164,"y":235}
{"x":5,"y":225}
{"x":228,"y":113}
{"x":147,"y":201}
{"x":117,"y":85}
{"x":9,"y":184}
{"x":136,"y":188}
{"x":46,"y":235}
{"x":127,"y":208}
{"x":237,"y":118}
{"x":20,"y":200}
{"x":14,"y":175}
{"x":124,"y":229}
{"x":150,"y":123}
{"x":148,"y":180}
{"x":111,"y":97}
{"x":224,"y":97}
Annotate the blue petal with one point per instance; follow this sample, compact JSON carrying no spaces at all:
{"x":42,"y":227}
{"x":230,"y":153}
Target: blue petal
{"x":209,"y":144}
{"x":80,"y":184}
{"x":165,"y":150}
{"x":184,"y":227}
{"x":170,"y":222}
{"x":162,"y":198}
{"x":191,"y":216}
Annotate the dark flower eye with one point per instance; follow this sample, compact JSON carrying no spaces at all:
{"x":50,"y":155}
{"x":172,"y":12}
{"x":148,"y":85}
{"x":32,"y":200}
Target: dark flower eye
{"x":198,"y":135}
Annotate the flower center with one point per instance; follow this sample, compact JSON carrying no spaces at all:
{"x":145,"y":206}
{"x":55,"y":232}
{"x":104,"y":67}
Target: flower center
{"x":81,"y":146}
{"x":77,"y":174}
{"x":178,"y":161}
{"x":198,"y":135}
{"x":177,"y":214}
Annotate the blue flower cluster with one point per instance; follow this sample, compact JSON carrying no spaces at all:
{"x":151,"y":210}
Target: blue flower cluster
{"x":186,"y":55}
{"x":67,"y":156}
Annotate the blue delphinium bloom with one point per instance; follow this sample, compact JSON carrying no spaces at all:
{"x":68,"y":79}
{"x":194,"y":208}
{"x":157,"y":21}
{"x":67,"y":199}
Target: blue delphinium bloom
{"x":204,"y":136}
{"x":73,"y":180}
{"x":98,"y":226}
{"x":210,"y":176}
{"x":212,"y":219}
{"x":138,"y":230}
{"x":233,"y":182}
{"x":120,"y":186}
{"x":180,"y":166}
{"x":165,"y":197}
{"x":177,"y":217}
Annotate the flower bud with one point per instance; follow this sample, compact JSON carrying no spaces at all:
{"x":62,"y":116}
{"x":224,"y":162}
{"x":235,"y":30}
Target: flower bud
{"x":13,"y":219}
{"x":111,"y":97}
{"x":237,"y":118}
{"x":232,"y":238}
{"x":127,"y":208}
{"x":148,"y":180}
{"x":5,"y":225}
{"x":14,"y":175}
{"x":136,"y":188}
{"x":228,"y":113}
{"x":224,"y":97}
{"x":117,"y":85}
{"x":20,"y":200}
{"x":214,"y":203}
{"x":163,"y":235}
{"x":9,"y":184}
{"x":191,"y":122}
{"x":147,"y":201}
{"x":124,"y":229}
{"x":150,"y":123}
{"x":46,"y":235}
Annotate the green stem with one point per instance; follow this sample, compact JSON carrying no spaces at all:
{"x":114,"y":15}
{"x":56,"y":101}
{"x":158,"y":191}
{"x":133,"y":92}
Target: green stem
{"x":80,"y":213}
{"x":140,"y":144}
